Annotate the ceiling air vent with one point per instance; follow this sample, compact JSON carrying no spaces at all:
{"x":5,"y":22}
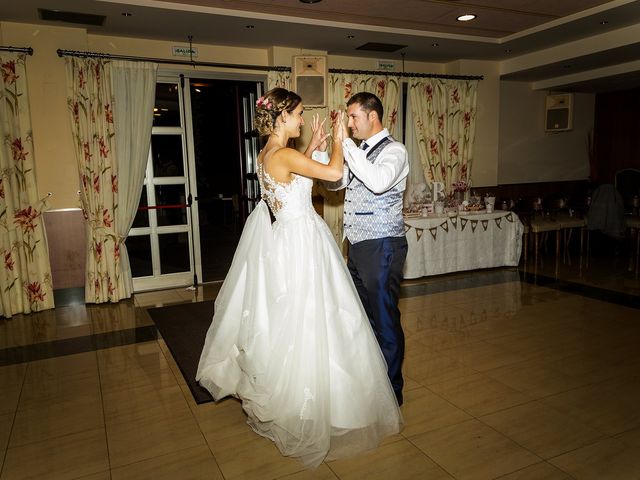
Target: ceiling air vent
{"x":380,"y":47}
{"x":71,"y":17}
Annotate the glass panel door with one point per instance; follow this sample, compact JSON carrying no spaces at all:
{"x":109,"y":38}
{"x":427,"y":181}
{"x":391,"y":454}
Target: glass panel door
{"x":200,"y":182}
{"x":224,"y":150}
{"x":160,"y":244}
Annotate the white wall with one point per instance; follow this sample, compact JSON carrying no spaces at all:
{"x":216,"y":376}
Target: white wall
{"x":526,"y":152}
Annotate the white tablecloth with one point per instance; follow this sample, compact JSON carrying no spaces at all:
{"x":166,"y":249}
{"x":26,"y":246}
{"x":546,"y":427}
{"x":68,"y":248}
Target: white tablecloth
{"x":443,"y":244}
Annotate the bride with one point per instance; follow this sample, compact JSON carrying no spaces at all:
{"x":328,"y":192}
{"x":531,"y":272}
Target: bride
{"x":289,"y":336}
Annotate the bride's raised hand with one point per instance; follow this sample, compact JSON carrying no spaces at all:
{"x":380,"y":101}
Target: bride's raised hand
{"x":338,"y":126}
{"x":319,"y":136}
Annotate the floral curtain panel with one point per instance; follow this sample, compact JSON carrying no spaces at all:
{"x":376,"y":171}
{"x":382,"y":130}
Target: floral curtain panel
{"x":278,"y":79}
{"x":25,"y":281}
{"x":343,"y":86}
{"x":444,"y":114}
{"x":108,"y":210}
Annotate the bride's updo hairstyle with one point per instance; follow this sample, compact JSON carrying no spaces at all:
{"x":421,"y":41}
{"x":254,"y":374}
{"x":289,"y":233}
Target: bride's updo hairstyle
{"x":271,"y":105}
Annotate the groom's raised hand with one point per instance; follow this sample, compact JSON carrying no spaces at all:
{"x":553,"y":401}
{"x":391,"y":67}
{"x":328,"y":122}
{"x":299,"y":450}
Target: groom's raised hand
{"x":338,"y":126}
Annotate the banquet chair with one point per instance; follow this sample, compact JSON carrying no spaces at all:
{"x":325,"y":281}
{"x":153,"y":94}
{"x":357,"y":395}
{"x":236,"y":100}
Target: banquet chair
{"x":633,"y":223}
{"x":559,"y":210}
{"x":525,"y":240}
{"x":606,"y":211}
{"x":627,"y":183}
{"x":606,"y":215}
{"x":567,"y":225}
{"x":541,"y":225}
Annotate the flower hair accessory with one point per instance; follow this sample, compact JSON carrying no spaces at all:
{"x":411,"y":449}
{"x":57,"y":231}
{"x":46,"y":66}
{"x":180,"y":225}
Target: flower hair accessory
{"x":264,"y":103}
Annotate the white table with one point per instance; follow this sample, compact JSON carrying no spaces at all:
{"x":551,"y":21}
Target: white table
{"x":444,"y":244}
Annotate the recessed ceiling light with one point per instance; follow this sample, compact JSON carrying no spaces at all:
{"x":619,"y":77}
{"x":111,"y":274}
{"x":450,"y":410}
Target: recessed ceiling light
{"x":435,"y":44}
{"x":310,"y":1}
{"x":351,"y":36}
{"x":466,"y":17}
{"x":249,"y":26}
{"x":604,"y":22}
{"x":127,"y":14}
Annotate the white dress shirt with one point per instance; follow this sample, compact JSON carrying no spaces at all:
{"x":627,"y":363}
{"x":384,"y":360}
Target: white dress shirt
{"x":391,"y":167}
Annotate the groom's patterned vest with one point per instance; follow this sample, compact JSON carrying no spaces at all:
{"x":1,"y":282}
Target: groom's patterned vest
{"x":368,"y":215}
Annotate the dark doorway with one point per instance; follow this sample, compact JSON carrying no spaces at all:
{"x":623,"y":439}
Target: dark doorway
{"x":223,"y":141}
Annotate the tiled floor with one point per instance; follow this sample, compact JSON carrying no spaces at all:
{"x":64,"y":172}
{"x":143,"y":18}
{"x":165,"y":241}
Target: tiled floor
{"x":509,"y":376}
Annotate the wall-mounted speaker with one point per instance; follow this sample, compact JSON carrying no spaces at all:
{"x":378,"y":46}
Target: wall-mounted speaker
{"x":558,"y":112}
{"x":310,"y":79}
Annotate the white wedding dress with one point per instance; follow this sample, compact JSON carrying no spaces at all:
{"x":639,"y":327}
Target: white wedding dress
{"x":290,"y":337}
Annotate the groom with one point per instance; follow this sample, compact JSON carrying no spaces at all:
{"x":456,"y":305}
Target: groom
{"x":375,"y":179}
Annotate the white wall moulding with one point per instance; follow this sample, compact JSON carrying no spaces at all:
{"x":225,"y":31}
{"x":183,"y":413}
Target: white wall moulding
{"x":310,"y":79}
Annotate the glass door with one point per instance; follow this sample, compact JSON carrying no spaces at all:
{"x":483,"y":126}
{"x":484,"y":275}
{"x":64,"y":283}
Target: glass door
{"x":160,"y":243}
{"x":225,"y":148}
{"x":200,"y":183}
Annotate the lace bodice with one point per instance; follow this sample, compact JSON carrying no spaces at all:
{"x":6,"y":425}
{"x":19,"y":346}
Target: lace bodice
{"x":286,"y":200}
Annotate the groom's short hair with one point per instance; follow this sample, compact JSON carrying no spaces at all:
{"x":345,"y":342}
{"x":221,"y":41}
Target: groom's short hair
{"x":368,"y":102}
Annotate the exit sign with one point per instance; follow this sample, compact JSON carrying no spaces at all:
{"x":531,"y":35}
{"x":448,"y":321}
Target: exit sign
{"x":386,"y":65}
{"x":184,"y":51}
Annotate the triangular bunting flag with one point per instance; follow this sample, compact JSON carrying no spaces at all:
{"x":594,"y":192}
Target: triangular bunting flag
{"x":485,"y":224}
{"x":474,"y":224}
{"x":454,"y":222}
{"x":419,"y":233}
{"x":463,"y":223}
{"x":407,"y":228}
{"x":498,"y":222}
{"x":509,"y":217}
{"x":434,"y":232}
{"x":445,"y":226}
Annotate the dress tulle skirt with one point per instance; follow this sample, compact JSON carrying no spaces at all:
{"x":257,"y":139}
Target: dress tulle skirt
{"x":290,"y":339}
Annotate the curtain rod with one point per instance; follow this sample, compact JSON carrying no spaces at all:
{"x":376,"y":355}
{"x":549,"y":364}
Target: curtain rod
{"x":76,"y":53}
{"x":27,"y":50}
{"x":409,"y":74}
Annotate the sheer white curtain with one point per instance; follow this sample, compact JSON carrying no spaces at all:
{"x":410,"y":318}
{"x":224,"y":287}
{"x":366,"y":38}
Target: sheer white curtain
{"x":133,"y":86}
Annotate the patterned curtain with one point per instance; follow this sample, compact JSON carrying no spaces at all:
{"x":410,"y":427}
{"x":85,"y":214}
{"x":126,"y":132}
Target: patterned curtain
{"x":444,"y":114}
{"x":341,"y":87}
{"x":25,"y":282}
{"x":278,"y":79}
{"x":107,"y":211}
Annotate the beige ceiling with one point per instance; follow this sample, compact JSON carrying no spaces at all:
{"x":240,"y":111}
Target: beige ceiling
{"x":582,"y":43}
{"x":495,"y":18}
